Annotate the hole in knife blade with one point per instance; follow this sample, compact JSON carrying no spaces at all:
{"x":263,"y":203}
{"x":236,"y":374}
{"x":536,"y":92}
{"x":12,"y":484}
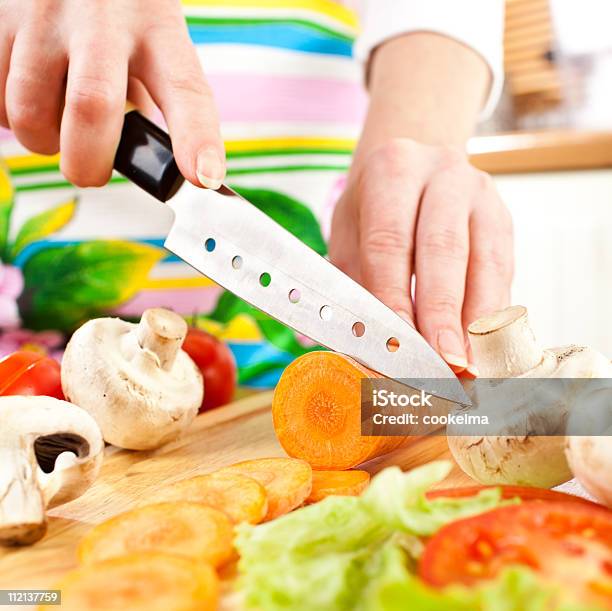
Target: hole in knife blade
{"x":358,"y":329}
{"x":265,"y":279}
{"x":325,"y":312}
{"x":393,"y":344}
{"x":237,"y":262}
{"x":210,"y":244}
{"x":294,"y":295}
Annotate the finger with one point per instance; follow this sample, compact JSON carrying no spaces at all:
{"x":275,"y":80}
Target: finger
{"x":442,"y":244}
{"x":490,"y":266}
{"x":96,"y":91}
{"x":170,"y":69}
{"x":389,"y":200}
{"x":6,"y":44}
{"x":344,"y":238}
{"x":34,"y":88}
{"x":140,"y":97}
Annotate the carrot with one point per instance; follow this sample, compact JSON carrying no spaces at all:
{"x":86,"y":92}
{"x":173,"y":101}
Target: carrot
{"x":240,"y":497}
{"x":317,"y":412}
{"x":337,"y":483}
{"x":185,"y":529}
{"x":287,"y":481}
{"x":140,"y":582}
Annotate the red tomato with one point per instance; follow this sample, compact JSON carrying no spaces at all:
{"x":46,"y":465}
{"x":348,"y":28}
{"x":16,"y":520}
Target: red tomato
{"x":566,"y":543}
{"x":216,"y":362}
{"x":526,"y":493}
{"x":30,"y":373}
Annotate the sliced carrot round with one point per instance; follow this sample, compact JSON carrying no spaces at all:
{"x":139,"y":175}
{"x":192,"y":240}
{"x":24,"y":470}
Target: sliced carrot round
{"x":241,"y":498}
{"x":181,"y":528}
{"x":317,"y":412}
{"x":337,"y":483}
{"x":145,"y":581}
{"x":287,"y":481}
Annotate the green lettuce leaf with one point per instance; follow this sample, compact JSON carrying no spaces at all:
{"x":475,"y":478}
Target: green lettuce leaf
{"x":399,"y":500}
{"x":328,"y":555}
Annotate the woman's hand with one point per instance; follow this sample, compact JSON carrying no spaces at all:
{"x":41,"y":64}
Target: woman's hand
{"x":67,"y":67}
{"x":411,"y":208}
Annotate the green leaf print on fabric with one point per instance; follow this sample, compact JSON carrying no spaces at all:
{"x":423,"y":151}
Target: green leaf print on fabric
{"x":43,"y":225}
{"x":280,"y":336}
{"x":7,"y":194}
{"x":65,"y":286}
{"x":292,"y":214}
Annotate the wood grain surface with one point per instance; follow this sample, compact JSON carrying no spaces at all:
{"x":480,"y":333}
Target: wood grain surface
{"x":239,"y":431}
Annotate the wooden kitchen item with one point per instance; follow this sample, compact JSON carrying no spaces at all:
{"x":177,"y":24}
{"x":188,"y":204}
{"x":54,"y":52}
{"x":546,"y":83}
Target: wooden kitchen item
{"x":240,"y":431}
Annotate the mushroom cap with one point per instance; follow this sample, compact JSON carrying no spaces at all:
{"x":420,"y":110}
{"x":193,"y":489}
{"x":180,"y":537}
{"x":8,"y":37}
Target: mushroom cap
{"x":65,"y":439}
{"x":138,"y":403}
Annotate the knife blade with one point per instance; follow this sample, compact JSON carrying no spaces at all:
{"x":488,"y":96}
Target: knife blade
{"x":232,"y":242}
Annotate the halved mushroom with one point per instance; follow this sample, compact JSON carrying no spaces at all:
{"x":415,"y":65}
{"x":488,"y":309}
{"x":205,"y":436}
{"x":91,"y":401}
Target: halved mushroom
{"x":134,"y":379}
{"x":50,"y":453}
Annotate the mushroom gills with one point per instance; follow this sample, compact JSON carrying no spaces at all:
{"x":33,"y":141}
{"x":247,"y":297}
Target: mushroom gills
{"x":48,"y":447}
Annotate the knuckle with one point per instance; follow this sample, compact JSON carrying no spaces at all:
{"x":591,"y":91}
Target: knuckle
{"x":498,"y":261}
{"x":189,"y":82}
{"x":451,"y":157}
{"x":387,"y":240}
{"x":392,"y":157}
{"x":91,"y":99}
{"x":25,"y":117}
{"x":484,"y":181}
{"x":443,"y":243}
{"x":443,"y":303}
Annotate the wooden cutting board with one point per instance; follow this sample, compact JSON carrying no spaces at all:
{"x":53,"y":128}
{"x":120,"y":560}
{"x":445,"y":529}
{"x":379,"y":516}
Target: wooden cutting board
{"x":239,"y":431}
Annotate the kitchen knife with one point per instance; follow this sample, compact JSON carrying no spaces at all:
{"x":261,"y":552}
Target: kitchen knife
{"x":231,"y":241}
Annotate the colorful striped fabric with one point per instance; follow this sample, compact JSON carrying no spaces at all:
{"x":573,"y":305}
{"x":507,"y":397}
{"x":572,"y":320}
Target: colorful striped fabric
{"x":291,"y":105}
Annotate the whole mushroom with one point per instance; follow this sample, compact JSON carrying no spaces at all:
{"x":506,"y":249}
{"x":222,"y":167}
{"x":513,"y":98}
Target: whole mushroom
{"x":504,"y":346}
{"x":50,"y":452}
{"x":142,"y":389}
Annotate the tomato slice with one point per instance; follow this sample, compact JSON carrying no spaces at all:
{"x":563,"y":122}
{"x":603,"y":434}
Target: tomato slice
{"x":568,"y":544}
{"x":526,"y":493}
{"x":30,"y":373}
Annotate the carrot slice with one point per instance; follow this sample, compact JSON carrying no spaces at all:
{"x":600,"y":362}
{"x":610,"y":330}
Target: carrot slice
{"x":142,"y":581}
{"x":181,"y":528}
{"x":337,"y":483}
{"x":242,"y":498}
{"x":287,"y":481}
{"x":317,"y":412}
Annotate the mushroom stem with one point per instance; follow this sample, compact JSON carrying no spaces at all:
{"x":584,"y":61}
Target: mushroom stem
{"x":162,"y":332}
{"x":22,"y":507}
{"x":504,"y":345}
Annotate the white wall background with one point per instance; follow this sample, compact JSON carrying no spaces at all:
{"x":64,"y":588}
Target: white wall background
{"x":563,"y":247}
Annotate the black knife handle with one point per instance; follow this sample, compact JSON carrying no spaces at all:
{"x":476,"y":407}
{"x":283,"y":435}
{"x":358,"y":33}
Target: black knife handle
{"x":145,"y":157}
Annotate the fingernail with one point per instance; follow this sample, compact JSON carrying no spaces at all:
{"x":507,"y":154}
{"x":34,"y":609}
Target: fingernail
{"x":451,"y":347}
{"x":210,"y":169}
